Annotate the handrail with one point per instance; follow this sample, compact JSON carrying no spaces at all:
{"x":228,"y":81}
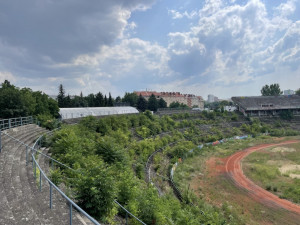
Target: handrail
{"x":36,"y":143}
{"x":115,"y":201}
{"x":16,"y":122}
{"x":60,"y":191}
{"x":42,"y":173}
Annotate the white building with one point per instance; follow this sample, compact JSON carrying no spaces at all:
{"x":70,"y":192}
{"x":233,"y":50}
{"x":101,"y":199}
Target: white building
{"x":211,"y":98}
{"x":70,"y":113}
{"x":288,"y":92}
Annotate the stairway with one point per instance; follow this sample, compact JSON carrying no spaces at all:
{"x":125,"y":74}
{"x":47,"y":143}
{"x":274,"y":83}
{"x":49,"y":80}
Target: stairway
{"x":21,"y":201}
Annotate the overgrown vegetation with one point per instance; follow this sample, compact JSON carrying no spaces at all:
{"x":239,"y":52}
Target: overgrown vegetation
{"x":110,"y":155}
{"x":263,"y":167}
{"x":16,"y":102}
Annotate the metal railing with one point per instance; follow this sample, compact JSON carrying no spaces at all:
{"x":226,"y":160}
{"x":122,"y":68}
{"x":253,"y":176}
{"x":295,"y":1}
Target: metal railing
{"x":16,"y":122}
{"x":34,"y":150}
{"x":42,"y":175}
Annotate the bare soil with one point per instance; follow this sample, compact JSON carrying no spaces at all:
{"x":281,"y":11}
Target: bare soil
{"x":223,"y":181}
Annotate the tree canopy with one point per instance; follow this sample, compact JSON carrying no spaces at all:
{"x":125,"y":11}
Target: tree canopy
{"x":16,"y":102}
{"x":152,"y":103}
{"x":178,"y":105}
{"x":272,"y":90}
{"x":162,"y":103}
{"x":92,"y":100}
{"x":142,"y":103}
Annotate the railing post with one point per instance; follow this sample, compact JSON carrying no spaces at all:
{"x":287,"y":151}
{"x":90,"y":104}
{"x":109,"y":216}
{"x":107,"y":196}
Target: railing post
{"x":52,"y":164}
{"x":34,"y":170}
{"x":126,"y":218}
{"x":50,"y":195}
{"x":21,"y":121}
{"x":9,"y":125}
{"x":26,"y":155}
{"x":40,"y":180}
{"x":70,"y":213}
{"x":0,"y":141}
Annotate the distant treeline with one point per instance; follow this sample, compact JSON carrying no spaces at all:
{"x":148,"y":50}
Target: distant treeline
{"x":16,"y":102}
{"x":101,"y":100}
{"x":20,"y":102}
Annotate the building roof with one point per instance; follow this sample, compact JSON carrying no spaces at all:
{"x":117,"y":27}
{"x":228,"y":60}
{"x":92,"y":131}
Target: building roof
{"x":68,"y":113}
{"x":268,"y":102}
{"x":166,"y":94}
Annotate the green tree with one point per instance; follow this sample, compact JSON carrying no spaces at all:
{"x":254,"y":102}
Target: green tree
{"x":130,"y":98}
{"x":61,"y":96}
{"x":99,"y":101}
{"x":96,"y":191}
{"x":162,"y":103}
{"x":174,"y":105}
{"x":68,"y":102}
{"x":105,"y":101}
{"x":178,"y":105}
{"x":91,"y":101}
{"x":15,"y":103}
{"x":110,"y":151}
{"x":110,"y":101}
{"x":297,"y":92}
{"x":30,"y":103}
{"x":142,"y":103}
{"x":118,"y":99}
{"x":152,"y":103}
{"x":272,"y":90}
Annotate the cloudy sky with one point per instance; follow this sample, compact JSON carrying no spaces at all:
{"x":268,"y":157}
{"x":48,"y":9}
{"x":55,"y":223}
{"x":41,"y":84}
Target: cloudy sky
{"x":226,"y":48}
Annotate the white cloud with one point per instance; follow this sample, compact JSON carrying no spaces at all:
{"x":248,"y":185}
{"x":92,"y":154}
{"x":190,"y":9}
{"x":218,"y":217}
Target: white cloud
{"x":7,"y":76}
{"x":286,"y":9}
{"x":37,"y":34}
{"x":178,"y":15}
{"x":130,"y":56}
{"x":228,"y":46}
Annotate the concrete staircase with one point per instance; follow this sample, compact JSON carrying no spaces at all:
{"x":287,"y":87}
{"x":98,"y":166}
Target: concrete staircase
{"x":21,"y":201}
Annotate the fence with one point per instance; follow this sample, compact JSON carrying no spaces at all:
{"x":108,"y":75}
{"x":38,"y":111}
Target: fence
{"x":15,"y":122}
{"x":35,"y":165}
{"x":31,"y":153}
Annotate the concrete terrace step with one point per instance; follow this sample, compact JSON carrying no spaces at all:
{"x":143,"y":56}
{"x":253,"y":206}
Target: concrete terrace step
{"x":11,"y":178}
{"x":21,"y":202}
{"x":7,"y":190}
{"x":20,"y":134}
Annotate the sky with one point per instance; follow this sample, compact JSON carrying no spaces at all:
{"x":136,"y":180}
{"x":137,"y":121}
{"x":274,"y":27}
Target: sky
{"x":225,"y":48}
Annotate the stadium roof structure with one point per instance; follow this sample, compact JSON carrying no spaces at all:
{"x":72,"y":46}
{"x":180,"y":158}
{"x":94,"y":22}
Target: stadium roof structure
{"x":70,"y":113}
{"x":268,"y":102}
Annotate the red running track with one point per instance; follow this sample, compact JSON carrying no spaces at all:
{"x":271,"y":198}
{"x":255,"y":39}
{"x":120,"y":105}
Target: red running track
{"x":234,"y":170}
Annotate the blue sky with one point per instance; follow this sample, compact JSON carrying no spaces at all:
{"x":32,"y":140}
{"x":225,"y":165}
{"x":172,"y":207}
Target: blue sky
{"x":226,"y":48}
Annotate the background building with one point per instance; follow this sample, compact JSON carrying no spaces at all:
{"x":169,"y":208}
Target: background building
{"x":268,"y":105}
{"x":211,"y":98}
{"x":188,"y":99}
{"x":288,"y":92}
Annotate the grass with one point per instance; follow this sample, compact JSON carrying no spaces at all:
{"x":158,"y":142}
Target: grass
{"x":221,"y":191}
{"x":258,"y":168}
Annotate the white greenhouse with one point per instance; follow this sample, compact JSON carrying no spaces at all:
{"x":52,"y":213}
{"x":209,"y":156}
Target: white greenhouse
{"x":70,"y":113}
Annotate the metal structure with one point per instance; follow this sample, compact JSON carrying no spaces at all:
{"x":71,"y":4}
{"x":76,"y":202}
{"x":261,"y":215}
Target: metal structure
{"x":71,"y":113}
{"x":15,"y":122}
{"x":31,"y":153}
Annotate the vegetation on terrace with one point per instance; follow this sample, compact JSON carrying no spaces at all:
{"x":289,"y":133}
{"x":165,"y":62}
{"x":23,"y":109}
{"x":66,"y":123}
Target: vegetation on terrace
{"x":110,"y":155}
{"x":273,"y":169}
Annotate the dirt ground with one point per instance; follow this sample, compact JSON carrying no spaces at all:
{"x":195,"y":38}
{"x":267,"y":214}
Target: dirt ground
{"x":224,"y":181}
